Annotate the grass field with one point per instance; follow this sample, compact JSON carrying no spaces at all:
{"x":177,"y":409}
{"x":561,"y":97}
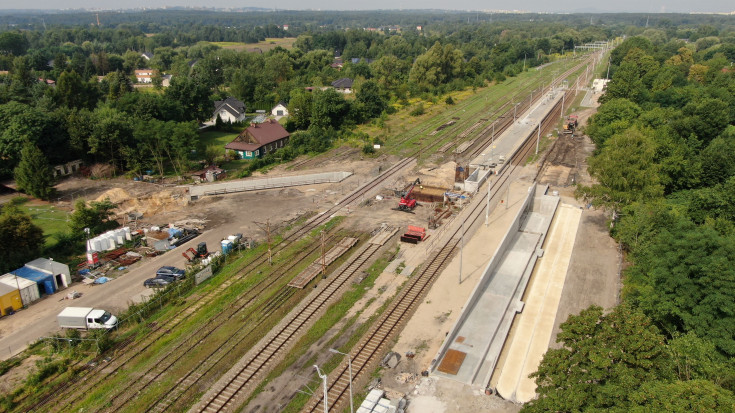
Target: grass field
{"x":266,"y":45}
{"x":216,"y":138}
{"x":51,"y":220}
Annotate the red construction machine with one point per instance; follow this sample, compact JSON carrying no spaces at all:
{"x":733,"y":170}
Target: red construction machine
{"x":196,"y":254}
{"x":407,"y":203}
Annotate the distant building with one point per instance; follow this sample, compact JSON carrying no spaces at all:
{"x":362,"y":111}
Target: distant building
{"x":145,"y":75}
{"x":146,"y":55}
{"x":259,"y":140}
{"x":229,"y":110}
{"x":285,"y":27}
{"x":279,"y":110}
{"x":343,"y":85}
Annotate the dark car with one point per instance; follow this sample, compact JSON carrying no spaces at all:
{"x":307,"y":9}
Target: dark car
{"x":160,"y":281}
{"x":169,"y":271}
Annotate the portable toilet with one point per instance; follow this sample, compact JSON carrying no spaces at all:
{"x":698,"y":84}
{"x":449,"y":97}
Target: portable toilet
{"x":9,"y":300}
{"x":226,"y":246}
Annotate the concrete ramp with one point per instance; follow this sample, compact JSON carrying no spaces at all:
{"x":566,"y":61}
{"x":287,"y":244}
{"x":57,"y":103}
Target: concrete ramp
{"x":242,"y":185}
{"x":536,"y":322}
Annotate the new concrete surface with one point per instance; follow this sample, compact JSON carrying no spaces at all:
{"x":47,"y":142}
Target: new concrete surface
{"x":506,"y":143}
{"x":536,"y":322}
{"x":486,"y":320}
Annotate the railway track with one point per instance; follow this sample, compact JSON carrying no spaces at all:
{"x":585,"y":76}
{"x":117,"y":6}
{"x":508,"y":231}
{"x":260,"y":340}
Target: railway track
{"x":251,"y":369}
{"x":161,"y":330}
{"x":373,"y":345}
{"x":88,"y":379}
{"x":249,"y":306}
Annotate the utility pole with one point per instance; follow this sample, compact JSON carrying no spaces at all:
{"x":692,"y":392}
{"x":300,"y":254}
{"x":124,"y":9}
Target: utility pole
{"x":267,"y":228}
{"x":324,"y":259}
{"x":461,"y":248}
{"x":324,"y":383}
{"x":487,"y":207}
{"x":538,"y":137}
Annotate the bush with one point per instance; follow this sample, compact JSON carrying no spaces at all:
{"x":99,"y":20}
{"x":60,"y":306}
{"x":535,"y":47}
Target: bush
{"x":418,"y":110}
{"x":449,"y":100}
{"x":368,"y":149}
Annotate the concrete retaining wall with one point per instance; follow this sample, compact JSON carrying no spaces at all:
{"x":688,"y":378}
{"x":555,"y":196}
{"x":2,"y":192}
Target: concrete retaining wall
{"x":487,"y":274}
{"x":220,"y":188}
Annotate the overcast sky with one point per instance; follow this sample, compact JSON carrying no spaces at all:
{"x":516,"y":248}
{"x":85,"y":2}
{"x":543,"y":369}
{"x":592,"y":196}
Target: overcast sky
{"x":566,"y":6}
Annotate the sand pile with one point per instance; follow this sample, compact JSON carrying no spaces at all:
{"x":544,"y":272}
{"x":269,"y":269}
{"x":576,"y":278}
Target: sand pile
{"x":159,"y":202}
{"x":440,"y":177}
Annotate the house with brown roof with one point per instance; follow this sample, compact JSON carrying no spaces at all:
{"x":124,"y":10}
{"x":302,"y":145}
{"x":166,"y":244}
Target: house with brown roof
{"x":258,"y":140}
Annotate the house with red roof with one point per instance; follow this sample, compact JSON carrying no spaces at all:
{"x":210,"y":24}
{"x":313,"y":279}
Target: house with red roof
{"x":258,"y":140}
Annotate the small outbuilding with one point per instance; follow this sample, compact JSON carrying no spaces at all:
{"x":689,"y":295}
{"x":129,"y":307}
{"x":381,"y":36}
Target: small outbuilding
{"x":158,"y":240}
{"x":209,"y":174}
{"x":60,"y":271}
{"x":280,"y":110}
{"x":28,"y":289}
{"x":46,"y":282}
{"x":9,"y":300}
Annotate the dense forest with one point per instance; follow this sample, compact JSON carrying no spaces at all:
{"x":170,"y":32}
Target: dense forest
{"x":665,"y":166}
{"x":69,"y":89}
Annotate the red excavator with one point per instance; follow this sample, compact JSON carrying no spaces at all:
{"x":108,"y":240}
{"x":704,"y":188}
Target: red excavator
{"x":196,"y":254}
{"x":407,"y":203}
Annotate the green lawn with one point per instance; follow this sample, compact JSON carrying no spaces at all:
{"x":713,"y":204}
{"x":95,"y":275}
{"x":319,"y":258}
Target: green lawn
{"x":50,"y":219}
{"x":219,"y":139}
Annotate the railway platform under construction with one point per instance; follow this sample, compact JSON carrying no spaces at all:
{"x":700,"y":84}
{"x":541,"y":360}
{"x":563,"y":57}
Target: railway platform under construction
{"x":472,"y":348}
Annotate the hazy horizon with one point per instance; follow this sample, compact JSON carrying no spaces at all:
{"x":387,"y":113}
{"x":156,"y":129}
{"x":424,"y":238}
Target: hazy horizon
{"x":537,"y":6}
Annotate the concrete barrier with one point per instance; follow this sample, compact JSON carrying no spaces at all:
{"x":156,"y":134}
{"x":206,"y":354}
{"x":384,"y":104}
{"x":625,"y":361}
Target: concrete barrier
{"x":221,"y":188}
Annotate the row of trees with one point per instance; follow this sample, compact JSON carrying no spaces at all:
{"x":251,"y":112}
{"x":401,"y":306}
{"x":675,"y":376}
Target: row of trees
{"x":665,"y":166}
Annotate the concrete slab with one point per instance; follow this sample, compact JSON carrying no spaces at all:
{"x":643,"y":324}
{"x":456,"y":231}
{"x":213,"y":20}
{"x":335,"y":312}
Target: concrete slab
{"x":536,"y":322}
{"x":487,"y":317}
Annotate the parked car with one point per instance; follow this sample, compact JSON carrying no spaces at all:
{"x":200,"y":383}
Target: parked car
{"x":160,"y":281}
{"x":169,"y":271}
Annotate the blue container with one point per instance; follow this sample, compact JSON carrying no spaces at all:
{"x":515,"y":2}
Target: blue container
{"x":226,"y":246}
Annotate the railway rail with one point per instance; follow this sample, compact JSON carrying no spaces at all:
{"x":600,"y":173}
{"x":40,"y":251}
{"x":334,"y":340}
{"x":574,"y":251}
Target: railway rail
{"x":251,"y":368}
{"x":373,"y":345}
{"x":97,"y":374}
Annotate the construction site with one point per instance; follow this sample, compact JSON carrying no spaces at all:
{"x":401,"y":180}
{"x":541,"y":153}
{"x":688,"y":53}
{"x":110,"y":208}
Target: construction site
{"x":460,"y":262}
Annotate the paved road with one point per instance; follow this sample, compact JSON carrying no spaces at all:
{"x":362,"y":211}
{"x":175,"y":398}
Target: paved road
{"x":39,"y":320}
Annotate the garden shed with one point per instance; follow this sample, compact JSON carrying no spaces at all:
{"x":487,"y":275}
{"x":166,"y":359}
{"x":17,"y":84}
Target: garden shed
{"x":9,"y":300}
{"x":28,"y":289}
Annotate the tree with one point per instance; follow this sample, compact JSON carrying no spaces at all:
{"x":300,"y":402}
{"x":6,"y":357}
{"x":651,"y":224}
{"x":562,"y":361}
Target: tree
{"x":437,"y":66}
{"x":328,"y":109}
{"x":22,"y":239}
{"x":683,"y":281}
{"x":34,"y":175}
{"x":372,"y":98}
{"x":625,"y":170}
{"x":98,"y":217}
{"x":194,"y":97}
{"x":681,"y":396}
{"x":299,"y":109}
{"x":604,"y":360}
{"x":12,"y":43}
